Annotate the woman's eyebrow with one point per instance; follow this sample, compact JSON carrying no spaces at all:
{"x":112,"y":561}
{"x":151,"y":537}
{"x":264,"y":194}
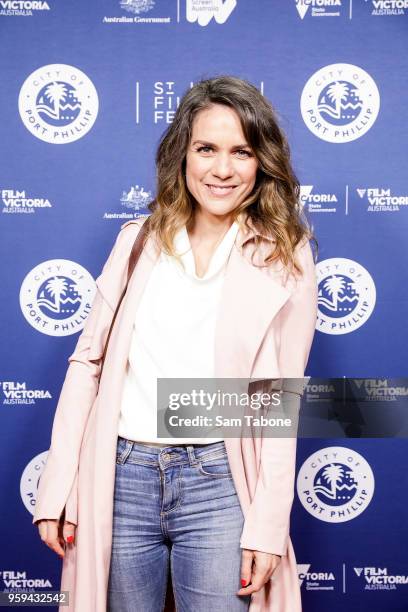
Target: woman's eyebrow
{"x":211,"y":144}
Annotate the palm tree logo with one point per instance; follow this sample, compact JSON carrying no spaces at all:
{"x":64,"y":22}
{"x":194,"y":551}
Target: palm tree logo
{"x":338,"y":295}
{"x":57,"y":287}
{"x":58,"y":297}
{"x":339,"y":102}
{"x":56,"y":92}
{"x":335,"y":483}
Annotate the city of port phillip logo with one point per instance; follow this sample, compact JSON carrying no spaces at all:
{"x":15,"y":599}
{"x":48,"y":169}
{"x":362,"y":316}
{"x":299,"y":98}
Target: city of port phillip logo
{"x":340,"y":103}
{"x":137,"y":6}
{"x":58,"y":103}
{"x":335,"y":484}
{"x":346,"y":295}
{"x":56,"y":297}
{"x":30,"y":479}
{"x":202,"y":11}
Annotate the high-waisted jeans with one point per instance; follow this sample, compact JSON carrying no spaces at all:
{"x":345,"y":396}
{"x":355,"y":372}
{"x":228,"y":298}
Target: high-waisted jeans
{"x":175,"y":504}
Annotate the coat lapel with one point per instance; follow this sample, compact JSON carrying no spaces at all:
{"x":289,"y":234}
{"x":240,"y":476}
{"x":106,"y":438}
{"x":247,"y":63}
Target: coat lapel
{"x":250,"y":298}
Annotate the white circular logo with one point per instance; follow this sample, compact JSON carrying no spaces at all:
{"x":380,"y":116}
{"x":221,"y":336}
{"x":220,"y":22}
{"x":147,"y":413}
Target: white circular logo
{"x":30,"y":478}
{"x":335,"y":484}
{"x":340,"y":103}
{"x":346,"y":295}
{"x":56,"y":297}
{"x":58,"y":103}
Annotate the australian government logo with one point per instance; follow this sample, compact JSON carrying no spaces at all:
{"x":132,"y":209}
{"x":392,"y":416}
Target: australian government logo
{"x":340,"y":103}
{"x":58,"y":103}
{"x":16,"y":202}
{"x":56,"y":297}
{"x":22,"y":8}
{"x":346,"y":295}
{"x":335,"y":484}
{"x":134,"y":202}
{"x":138,"y":11}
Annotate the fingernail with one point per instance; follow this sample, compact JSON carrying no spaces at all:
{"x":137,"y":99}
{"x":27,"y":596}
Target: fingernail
{"x":243,"y":582}
{"x":70,"y":539}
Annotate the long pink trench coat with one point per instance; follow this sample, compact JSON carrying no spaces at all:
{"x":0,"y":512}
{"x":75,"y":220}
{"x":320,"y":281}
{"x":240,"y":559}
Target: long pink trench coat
{"x":264,"y":329}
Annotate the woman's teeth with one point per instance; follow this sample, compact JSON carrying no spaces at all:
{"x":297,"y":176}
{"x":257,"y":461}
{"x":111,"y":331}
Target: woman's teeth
{"x":220,"y":191}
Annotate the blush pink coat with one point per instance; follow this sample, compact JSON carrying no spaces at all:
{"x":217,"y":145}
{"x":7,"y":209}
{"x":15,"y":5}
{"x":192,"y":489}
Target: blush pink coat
{"x":265,"y":328}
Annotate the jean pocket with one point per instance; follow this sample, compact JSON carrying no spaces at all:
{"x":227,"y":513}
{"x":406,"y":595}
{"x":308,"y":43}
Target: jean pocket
{"x":215,"y":467}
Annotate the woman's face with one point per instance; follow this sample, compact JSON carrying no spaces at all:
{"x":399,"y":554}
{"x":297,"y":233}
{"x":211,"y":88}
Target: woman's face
{"x":220,"y":166}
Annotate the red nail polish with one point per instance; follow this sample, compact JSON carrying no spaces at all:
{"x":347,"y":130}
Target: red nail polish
{"x":243,"y":582}
{"x":70,"y":539}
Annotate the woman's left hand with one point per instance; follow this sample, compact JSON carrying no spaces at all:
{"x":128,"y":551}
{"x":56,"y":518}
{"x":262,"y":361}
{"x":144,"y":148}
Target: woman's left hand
{"x":256,"y":568}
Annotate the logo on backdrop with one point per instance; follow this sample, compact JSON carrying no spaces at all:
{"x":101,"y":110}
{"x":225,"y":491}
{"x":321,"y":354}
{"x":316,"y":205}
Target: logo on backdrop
{"x":393,"y":8}
{"x":379,"y":578}
{"x":379,"y":199}
{"x":12,"y":581}
{"x":319,"y":8}
{"x":340,"y":103}
{"x":14,"y":392}
{"x":15,"y":201}
{"x":136,"y":12}
{"x":30,"y":479}
{"x":202,"y":11}
{"x":335,"y":484}
{"x":22,"y":8}
{"x":316,"y":201}
{"x":137,"y":6}
{"x":346,"y":295}
{"x":56,"y":297}
{"x":136,"y":199}
{"x":315,"y":580}
{"x":58,"y":103}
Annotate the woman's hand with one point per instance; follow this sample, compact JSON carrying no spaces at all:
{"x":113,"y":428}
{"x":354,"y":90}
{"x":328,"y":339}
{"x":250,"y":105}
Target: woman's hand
{"x":264,"y":564}
{"x":55,"y":535}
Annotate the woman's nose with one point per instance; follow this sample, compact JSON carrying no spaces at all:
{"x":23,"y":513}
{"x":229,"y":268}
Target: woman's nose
{"x":222,"y":166}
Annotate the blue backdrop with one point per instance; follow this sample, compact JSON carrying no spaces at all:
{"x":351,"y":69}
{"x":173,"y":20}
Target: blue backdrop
{"x":87,"y":90}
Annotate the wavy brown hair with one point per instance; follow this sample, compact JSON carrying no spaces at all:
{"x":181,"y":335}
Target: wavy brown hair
{"x":273,"y":205}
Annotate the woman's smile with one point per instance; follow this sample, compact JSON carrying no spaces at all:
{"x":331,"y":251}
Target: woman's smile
{"x":220,"y":191}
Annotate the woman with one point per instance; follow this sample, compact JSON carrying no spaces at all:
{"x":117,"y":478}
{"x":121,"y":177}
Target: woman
{"x":225,"y":287}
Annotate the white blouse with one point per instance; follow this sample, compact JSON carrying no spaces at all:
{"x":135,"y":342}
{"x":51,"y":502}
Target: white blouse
{"x":173,"y":335}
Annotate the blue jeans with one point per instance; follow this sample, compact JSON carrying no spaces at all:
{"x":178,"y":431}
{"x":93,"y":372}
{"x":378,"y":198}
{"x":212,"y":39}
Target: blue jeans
{"x":175,"y":504}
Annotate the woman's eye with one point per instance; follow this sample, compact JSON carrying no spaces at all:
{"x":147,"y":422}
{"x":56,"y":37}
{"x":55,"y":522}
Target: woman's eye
{"x":206,"y":149}
{"x":247,"y":153}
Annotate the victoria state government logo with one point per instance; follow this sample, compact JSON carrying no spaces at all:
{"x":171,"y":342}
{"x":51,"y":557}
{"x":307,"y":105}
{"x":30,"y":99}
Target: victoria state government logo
{"x":340,"y":103}
{"x":335,"y":484}
{"x":56,"y":297}
{"x":346,"y":295}
{"x":58,"y":103}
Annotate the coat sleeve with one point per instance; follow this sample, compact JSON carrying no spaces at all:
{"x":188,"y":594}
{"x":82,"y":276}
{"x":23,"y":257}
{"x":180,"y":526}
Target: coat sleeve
{"x":266,"y":525}
{"x":59,"y":476}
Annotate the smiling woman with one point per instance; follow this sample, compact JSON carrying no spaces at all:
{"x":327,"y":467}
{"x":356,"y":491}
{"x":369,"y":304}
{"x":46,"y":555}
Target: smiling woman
{"x":197,"y":306}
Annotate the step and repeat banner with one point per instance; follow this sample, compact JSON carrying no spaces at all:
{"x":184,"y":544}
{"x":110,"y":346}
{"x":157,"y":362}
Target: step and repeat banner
{"x":87,"y":89}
